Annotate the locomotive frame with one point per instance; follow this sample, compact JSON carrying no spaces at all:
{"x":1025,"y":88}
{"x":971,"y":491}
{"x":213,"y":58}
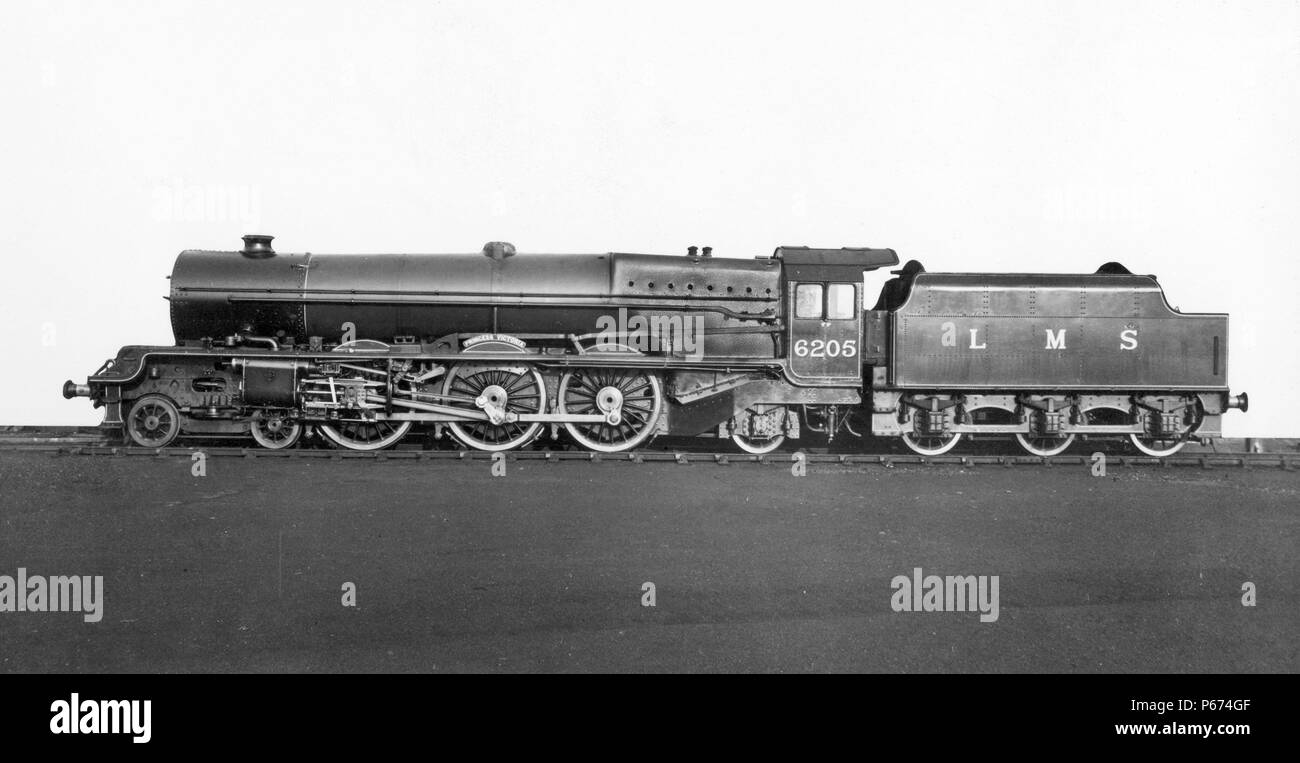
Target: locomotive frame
{"x":498,"y":350}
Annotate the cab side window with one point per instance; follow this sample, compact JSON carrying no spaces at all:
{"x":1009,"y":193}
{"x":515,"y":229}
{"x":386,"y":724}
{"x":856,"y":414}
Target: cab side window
{"x":808,"y":300}
{"x":840,"y":301}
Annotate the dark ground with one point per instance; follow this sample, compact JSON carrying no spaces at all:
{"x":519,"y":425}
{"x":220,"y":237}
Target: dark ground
{"x":541,"y":570}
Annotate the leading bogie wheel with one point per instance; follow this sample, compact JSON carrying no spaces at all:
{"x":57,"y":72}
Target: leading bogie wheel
{"x":154,"y":422}
{"x":274,"y":430}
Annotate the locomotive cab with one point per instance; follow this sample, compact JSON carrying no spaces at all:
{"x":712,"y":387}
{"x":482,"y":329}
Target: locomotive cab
{"x":823,"y":306}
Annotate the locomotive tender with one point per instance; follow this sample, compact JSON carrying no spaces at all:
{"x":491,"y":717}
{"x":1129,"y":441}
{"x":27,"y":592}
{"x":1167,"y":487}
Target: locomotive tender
{"x":499,"y":349}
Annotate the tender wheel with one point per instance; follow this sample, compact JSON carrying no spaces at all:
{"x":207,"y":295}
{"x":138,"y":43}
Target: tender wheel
{"x":153,"y":422}
{"x":274,"y":430}
{"x":1159,"y":447}
{"x":365,"y":435}
{"x":630,"y":400}
{"x":1165,"y":444}
{"x":498,"y":391}
{"x":1040,"y":445}
{"x":931,"y":445}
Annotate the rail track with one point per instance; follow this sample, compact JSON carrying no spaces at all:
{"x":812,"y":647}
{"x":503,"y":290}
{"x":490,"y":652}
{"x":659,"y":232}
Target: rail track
{"x":89,"y":442}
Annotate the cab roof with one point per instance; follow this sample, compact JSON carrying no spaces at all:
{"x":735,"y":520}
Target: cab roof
{"x":844,"y":264}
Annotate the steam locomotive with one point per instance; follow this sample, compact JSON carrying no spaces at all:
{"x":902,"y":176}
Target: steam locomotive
{"x":607,"y":351}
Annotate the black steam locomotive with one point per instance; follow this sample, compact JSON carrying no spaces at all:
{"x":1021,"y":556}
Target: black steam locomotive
{"x":610,"y":350}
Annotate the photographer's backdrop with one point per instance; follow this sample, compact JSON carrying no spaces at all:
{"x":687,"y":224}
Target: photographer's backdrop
{"x":1002,"y":136}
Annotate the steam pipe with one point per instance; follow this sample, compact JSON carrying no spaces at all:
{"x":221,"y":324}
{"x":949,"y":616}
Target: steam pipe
{"x":270,"y":342}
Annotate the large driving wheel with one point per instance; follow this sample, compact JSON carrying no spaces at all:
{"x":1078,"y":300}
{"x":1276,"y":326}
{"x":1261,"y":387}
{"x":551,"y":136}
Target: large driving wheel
{"x":361,"y":433}
{"x":358,"y":434}
{"x":500,"y":392}
{"x":629,"y":400}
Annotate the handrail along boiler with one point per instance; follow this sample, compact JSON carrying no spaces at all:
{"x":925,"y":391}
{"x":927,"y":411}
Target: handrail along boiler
{"x":498,"y":349}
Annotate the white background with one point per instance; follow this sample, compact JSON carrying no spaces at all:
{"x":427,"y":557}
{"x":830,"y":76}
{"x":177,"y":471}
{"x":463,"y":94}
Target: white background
{"x":1016,"y":136}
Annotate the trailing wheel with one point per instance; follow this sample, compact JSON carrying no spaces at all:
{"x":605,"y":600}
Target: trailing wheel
{"x":758,"y":446}
{"x":758,"y":430}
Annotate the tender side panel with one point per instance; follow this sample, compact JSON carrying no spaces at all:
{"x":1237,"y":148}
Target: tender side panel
{"x":1116,"y":332}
